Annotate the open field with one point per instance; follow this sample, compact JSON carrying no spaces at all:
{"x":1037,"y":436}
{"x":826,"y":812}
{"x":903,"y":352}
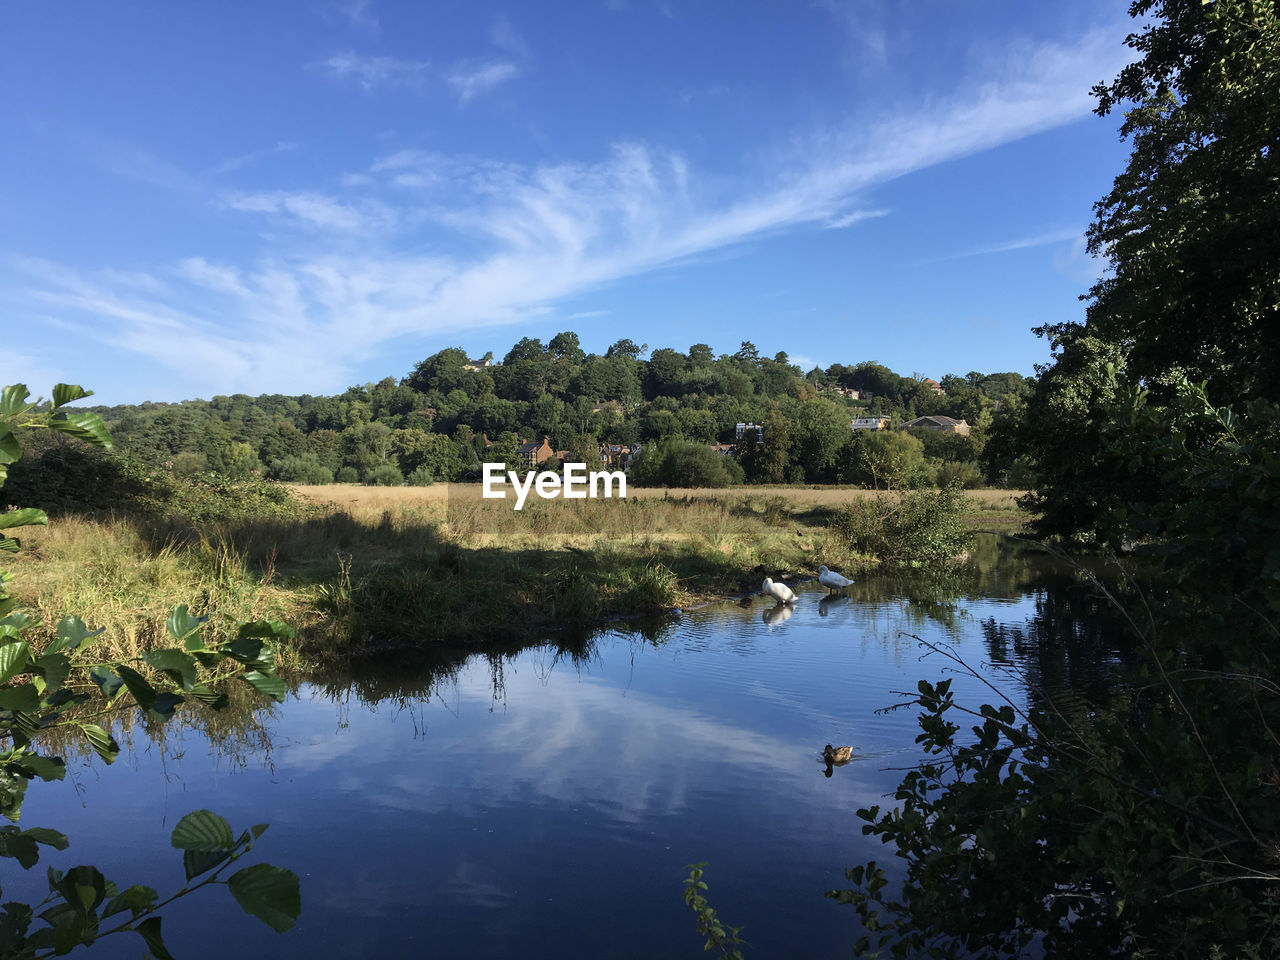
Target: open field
{"x":364,"y":570}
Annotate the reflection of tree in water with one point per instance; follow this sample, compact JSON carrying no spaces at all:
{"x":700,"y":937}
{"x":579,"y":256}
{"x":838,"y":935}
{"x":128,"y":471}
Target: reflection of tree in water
{"x":1069,"y":650}
{"x":236,"y":734}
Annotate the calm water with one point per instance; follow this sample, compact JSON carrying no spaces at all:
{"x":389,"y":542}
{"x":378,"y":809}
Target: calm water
{"x":546,"y":803}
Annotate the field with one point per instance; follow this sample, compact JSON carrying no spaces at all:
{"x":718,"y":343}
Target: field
{"x":362,"y":571}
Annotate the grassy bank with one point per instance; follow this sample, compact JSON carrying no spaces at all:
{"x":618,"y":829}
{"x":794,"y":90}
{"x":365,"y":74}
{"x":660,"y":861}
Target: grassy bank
{"x":361,"y":571}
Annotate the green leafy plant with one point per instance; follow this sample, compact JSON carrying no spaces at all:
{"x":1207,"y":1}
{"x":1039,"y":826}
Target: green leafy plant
{"x":58,"y":684}
{"x":726,"y":940}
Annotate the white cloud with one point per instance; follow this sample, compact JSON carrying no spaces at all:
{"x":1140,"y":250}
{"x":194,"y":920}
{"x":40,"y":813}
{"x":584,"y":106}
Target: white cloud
{"x":360,"y":14}
{"x":520,"y":239}
{"x":469,"y":82}
{"x":374,"y":72}
{"x":1021,"y":243}
{"x":248,"y":159}
{"x":504,"y":37}
{"x":311,"y":209}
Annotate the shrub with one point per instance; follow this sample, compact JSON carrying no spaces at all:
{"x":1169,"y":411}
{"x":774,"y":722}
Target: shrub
{"x":917,"y":528}
{"x":964,"y":474}
{"x":387,"y":475}
{"x":347,"y":475}
{"x":421,"y":477}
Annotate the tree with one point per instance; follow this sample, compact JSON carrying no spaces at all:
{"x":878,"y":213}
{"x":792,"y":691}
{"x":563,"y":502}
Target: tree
{"x":823,"y":428}
{"x":1191,"y":228}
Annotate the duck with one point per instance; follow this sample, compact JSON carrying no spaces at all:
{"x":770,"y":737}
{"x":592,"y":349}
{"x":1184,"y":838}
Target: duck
{"x":779,"y":591}
{"x":837,"y":754}
{"x":832,"y":580}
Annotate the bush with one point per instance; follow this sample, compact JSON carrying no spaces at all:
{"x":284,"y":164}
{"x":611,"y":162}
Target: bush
{"x":304,"y":469}
{"x":918,"y":528}
{"x":387,"y":475}
{"x":347,"y":475}
{"x":679,"y":463}
{"x":421,"y":477}
{"x":964,"y":474}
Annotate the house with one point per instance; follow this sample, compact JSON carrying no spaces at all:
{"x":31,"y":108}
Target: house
{"x":941,"y":424}
{"x":483,"y":364}
{"x":850,"y":392}
{"x":869,"y":423}
{"x":535,"y":453}
{"x":618,"y":456}
{"x":932,"y":384}
{"x":742,"y":428}
{"x":725,"y":449}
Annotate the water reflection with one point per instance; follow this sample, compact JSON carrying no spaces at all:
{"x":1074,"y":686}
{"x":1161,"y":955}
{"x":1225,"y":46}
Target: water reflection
{"x":534,"y":789}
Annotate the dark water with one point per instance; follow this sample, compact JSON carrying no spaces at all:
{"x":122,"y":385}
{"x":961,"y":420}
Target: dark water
{"x":547,"y":803}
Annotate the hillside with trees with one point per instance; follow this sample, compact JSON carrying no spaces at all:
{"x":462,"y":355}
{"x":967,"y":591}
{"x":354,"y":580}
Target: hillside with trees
{"x":451,"y":413}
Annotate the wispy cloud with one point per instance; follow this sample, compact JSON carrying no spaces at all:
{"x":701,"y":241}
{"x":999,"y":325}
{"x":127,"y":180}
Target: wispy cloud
{"x":232,"y":164}
{"x":311,"y":209}
{"x":1021,"y":243}
{"x":360,"y":14}
{"x":510,"y":241}
{"x":471,"y":81}
{"x":374,"y":72}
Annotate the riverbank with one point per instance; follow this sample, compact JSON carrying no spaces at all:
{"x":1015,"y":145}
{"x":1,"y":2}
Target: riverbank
{"x":362,"y":571}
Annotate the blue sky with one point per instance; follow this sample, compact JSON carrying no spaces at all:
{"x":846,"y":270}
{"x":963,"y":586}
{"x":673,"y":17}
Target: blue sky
{"x":211,"y":198}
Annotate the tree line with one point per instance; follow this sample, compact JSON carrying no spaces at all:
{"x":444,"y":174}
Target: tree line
{"x":450,"y":414}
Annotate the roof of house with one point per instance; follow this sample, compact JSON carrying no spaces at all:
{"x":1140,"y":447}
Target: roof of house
{"x":936,"y":420}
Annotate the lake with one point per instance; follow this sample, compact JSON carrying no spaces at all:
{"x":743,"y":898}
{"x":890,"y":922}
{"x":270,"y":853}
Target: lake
{"x":546,"y":802}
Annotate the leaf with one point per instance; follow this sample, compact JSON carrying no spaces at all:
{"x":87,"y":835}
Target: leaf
{"x":181,"y":667}
{"x":250,"y":651}
{"x":10,"y":448}
{"x":272,"y":894}
{"x":54,"y":667}
{"x":18,"y":621}
{"x":50,"y":838}
{"x":46,"y":768}
{"x":181,"y":623}
{"x":25,"y":697}
{"x":203,"y":831}
{"x":102,"y":742}
{"x":137,"y":899}
{"x":266,"y":684}
{"x":72,"y":633}
{"x":107,"y":682}
{"x":17,"y":845}
{"x":196,"y":862}
{"x":13,"y":659}
{"x":13,"y":398}
{"x":10,"y":544}
{"x":142,"y":691}
{"x":12,"y":789}
{"x":266,"y":629}
{"x":149,"y":930}
{"x":64,"y":393}
{"x":83,"y":424}
{"x":26,"y":517}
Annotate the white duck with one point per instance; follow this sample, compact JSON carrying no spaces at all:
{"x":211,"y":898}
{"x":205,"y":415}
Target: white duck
{"x":833,"y":580}
{"x":779,"y":591}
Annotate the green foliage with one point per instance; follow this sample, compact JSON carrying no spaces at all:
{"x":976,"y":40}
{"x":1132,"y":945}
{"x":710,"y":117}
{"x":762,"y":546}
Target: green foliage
{"x":386,"y":475}
{"x":922,"y":527}
{"x":677,"y":463}
{"x":347,"y":475}
{"x":62,"y":685}
{"x":885,"y":460}
{"x":725,"y":940}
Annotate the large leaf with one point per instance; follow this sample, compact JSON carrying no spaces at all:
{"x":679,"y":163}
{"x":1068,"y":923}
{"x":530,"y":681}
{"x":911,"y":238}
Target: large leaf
{"x":181,"y":667}
{"x":203,"y":831}
{"x":83,"y":424}
{"x":266,"y":629}
{"x":24,"y":697}
{"x":64,"y":393}
{"x":181,"y":623}
{"x":251,"y":651}
{"x":72,"y":634}
{"x":53,"y":667}
{"x":18,"y":621}
{"x":10,"y":448}
{"x":149,"y":930}
{"x":13,"y":787}
{"x":13,"y":659}
{"x":102,"y":742}
{"x":142,"y":691}
{"x":208,"y":696}
{"x":165,"y":703}
{"x":266,"y":684}
{"x":272,"y":894}
{"x":46,"y":768}
{"x":10,"y":544}
{"x":107,"y":682}
{"x":13,"y":398}
{"x":196,"y":862}
{"x":25,"y":517}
